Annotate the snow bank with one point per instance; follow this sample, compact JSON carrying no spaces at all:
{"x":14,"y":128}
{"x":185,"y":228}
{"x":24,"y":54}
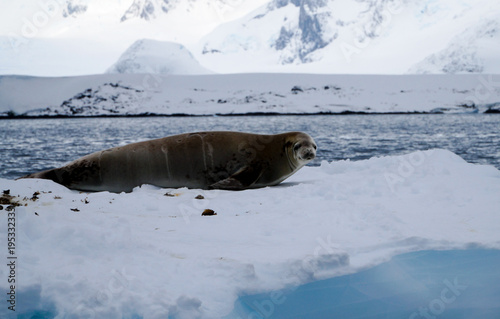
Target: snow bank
{"x":133,"y":94}
{"x":150,"y":253}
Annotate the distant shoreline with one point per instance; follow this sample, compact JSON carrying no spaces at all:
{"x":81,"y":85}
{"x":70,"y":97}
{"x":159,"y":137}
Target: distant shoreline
{"x":131,"y":95}
{"x":263,"y":114}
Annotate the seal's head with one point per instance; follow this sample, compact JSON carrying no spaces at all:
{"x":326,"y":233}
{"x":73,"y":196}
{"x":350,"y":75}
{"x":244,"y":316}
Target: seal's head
{"x":302,"y":149}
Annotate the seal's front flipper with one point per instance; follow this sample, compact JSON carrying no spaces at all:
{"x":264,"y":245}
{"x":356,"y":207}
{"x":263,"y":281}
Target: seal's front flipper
{"x":240,"y":180}
{"x":229,"y":183}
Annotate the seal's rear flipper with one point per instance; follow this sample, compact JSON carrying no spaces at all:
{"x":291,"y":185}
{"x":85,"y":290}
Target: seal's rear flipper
{"x":48,"y":174}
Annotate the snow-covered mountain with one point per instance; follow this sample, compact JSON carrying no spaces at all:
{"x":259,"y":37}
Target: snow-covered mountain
{"x":157,"y":57}
{"x":348,"y":36}
{"x":75,"y":37}
{"x":207,"y":10}
{"x":72,"y":37}
{"x":475,"y":50}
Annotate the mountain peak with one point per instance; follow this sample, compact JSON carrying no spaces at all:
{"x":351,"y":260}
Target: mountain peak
{"x":74,"y":8}
{"x":145,"y":9}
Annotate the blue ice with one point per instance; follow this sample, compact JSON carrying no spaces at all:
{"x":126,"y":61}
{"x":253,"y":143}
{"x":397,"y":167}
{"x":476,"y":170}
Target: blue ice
{"x":451,"y":284}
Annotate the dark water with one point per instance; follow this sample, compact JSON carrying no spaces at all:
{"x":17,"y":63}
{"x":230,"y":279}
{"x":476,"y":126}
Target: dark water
{"x":32,"y":145}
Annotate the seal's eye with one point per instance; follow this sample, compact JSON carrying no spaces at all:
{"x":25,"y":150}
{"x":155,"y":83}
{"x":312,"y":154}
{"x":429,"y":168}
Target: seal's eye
{"x":296,"y":147}
{"x":315,"y":147}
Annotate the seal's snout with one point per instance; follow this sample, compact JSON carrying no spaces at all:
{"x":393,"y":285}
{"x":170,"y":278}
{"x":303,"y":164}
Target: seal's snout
{"x":309,"y":155}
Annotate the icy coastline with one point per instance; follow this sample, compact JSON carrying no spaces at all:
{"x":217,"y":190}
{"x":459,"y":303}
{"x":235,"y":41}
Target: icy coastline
{"x":240,"y":94}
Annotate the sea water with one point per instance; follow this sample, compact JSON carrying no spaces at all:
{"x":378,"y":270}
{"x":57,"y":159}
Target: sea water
{"x":37,"y":144}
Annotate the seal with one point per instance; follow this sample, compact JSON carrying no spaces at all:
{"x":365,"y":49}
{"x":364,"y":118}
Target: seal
{"x":207,"y":160}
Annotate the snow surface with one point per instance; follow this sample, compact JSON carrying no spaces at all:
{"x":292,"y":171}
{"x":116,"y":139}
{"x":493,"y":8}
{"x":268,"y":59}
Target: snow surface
{"x":151,"y":254}
{"x":131,"y":94}
{"x":157,"y":57}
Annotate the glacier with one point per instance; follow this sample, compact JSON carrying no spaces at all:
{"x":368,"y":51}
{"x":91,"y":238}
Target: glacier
{"x":426,"y":284}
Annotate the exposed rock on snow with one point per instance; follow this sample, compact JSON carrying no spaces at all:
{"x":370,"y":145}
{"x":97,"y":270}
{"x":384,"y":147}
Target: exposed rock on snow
{"x":145,"y":9}
{"x":150,"y":10}
{"x":74,"y":8}
{"x":308,"y":35}
{"x":493,"y":108}
{"x":109,"y":98}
